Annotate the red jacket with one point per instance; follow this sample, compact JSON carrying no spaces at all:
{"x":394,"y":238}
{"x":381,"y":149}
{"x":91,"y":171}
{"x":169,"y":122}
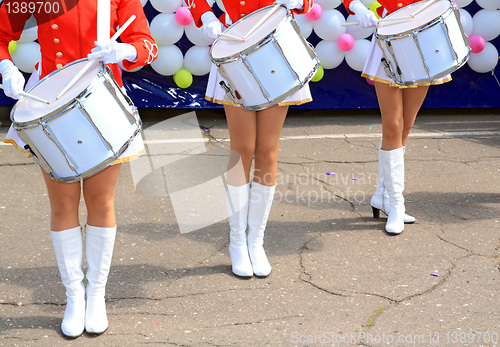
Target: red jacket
{"x":236,"y":9}
{"x":70,"y":36}
{"x":389,"y":5}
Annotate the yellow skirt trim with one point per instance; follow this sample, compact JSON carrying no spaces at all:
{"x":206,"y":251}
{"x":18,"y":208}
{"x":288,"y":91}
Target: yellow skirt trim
{"x":129,"y":158}
{"x":381,"y":80}
{"x":230,"y":103}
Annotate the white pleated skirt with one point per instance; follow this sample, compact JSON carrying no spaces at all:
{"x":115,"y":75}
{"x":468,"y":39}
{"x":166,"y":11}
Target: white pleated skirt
{"x":216,"y":94}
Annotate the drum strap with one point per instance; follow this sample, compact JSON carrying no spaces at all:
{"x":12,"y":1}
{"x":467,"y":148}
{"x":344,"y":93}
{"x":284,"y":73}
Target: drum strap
{"x":103,"y":19}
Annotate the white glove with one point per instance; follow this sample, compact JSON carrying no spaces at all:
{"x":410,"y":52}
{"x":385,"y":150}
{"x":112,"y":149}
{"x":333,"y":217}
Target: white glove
{"x":212,"y":27}
{"x":110,"y":52}
{"x":12,"y":79}
{"x":291,"y":4}
{"x":366,"y":17}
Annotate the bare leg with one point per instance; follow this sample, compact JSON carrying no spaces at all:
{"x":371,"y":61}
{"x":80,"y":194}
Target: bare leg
{"x":64,"y":201}
{"x":269,"y":124}
{"x":99,"y":193}
{"x":242,"y":127}
{"x":413,"y":99}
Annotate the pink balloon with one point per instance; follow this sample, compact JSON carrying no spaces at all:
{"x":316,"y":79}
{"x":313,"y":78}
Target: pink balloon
{"x":477,"y":43}
{"x":370,"y":81}
{"x":345,"y":42}
{"x":315,"y":13}
{"x":183,"y":16}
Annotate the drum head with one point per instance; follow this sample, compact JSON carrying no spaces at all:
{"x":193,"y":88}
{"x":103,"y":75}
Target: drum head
{"x":223,"y":48}
{"x":432,"y":12}
{"x":27,"y":110}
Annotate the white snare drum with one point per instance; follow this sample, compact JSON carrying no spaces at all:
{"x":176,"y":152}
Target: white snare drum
{"x":273,"y":63}
{"x":425,"y":48}
{"x":84,"y":131}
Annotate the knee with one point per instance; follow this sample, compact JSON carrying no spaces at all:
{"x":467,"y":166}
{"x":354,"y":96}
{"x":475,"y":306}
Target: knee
{"x":102,"y":204}
{"x":63,"y":206}
{"x":244,"y":151}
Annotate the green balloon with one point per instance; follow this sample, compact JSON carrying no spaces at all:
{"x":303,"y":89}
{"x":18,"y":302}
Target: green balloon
{"x":319,"y":74}
{"x":183,"y":78}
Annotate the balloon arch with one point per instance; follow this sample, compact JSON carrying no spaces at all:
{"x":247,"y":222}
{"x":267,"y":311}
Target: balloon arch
{"x":178,"y":77}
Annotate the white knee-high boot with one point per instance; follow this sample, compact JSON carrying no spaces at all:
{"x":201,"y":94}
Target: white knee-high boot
{"x":380,"y":200}
{"x":393,"y":166}
{"x":261,"y":200}
{"x":237,"y":209}
{"x":99,"y":243}
{"x":68,"y":248}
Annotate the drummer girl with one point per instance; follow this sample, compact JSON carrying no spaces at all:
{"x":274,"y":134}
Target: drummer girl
{"x":253,"y":135}
{"x":63,"y":39}
{"x":399,"y":107}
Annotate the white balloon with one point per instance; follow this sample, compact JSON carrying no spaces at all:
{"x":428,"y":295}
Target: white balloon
{"x":165,"y":29}
{"x":30,"y":32}
{"x":329,"y":54}
{"x":166,"y":6}
{"x":144,"y":2}
{"x":169,"y":60}
{"x":305,"y":25}
{"x":486,"y":24}
{"x":197,"y":36}
{"x":197,"y":61}
{"x":357,"y":31}
{"x":489,"y":4}
{"x":356,"y":57}
{"x":466,"y":21}
{"x":329,"y":26}
{"x":329,"y":4}
{"x":26,"y":55}
{"x":463,"y":3}
{"x":484,"y":61}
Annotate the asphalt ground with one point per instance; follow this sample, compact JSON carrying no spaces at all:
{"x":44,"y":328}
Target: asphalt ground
{"x":338,"y":278}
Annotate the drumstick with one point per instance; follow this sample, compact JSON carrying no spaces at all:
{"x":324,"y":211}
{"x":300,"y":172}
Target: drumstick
{"x":423,"y":7}
{"x":263,"y":19}
{"x":382,"y":20}
{"x":231,"y":37}
{"x":89,"y":64}
{"x":29,"y":96}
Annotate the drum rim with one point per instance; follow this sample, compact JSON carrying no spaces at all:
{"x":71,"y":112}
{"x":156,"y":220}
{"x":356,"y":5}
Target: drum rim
{"x":431,"y":22}
{"x":56,"y":111}
{"x":288,"y":17}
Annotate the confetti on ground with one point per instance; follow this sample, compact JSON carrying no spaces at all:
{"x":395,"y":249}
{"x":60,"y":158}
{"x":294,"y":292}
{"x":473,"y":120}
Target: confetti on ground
{"x":206,"y":130}
{"x":434,"y":274}
{"x":425,"y":146}
{"x":354,"y":178}
{"x":330,"y":173}
{"x":371,"y":126}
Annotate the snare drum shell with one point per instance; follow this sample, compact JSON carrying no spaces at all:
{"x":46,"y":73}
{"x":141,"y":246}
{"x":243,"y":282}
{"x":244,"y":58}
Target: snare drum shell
{"x":267,"y":72}
{"x":83,"y":136}
{"x":424,"y":54}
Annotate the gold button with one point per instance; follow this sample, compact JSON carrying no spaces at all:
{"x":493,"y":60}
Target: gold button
{"x":59,"y":54}
{"x":59,"y":66}
{"x":55,"y":26}
{"x":400,"y":5}
{"x":194,"y":6}
{"x":242,"y":15}
{"x":242,"y":3}
{"x":56,"y":41}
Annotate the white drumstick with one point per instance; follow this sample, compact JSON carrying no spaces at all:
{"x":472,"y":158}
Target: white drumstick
{"x":89,"y":64}
{"x":263,"y":19}
{"x":383,"y":20}
{"x":423,"y":7}
{"x":29,"y":96}
{"x":231,"y":37}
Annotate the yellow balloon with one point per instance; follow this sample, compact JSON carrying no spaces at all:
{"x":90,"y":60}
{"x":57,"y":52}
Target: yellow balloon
{"x":374,"y":6}
{"x":183,"y":78}
{"x":319,"y":74}
{"x":12,"y":46}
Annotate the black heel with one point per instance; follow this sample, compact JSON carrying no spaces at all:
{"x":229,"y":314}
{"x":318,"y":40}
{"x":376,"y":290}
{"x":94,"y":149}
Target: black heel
{"x":376,"y":212}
